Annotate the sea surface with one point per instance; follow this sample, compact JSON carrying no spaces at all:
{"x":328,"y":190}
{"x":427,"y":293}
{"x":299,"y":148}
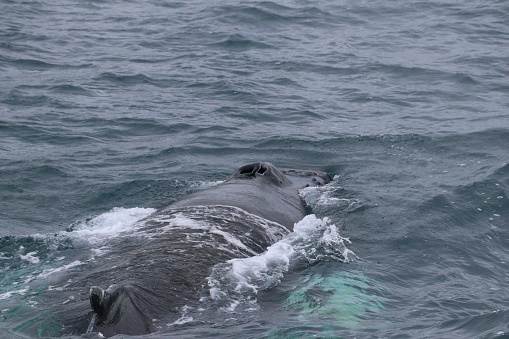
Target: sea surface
{"x":110,"y":110}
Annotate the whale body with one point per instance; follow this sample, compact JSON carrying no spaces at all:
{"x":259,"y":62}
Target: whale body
{"x":164,"y":268}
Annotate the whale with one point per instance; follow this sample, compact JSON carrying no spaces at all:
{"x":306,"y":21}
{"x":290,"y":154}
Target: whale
{"x":150,"y":277}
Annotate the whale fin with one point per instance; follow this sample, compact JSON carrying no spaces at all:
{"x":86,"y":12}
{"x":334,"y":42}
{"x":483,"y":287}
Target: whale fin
{"x":115,"y":312}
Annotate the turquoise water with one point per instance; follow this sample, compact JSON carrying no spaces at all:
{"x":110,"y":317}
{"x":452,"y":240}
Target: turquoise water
{"x":131,"y":105}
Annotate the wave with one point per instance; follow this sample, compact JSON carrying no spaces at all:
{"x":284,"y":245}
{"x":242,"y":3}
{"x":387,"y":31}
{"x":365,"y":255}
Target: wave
{"x":136,"y":79}
{"x":38,"y":65}
{"x":240,"y":43}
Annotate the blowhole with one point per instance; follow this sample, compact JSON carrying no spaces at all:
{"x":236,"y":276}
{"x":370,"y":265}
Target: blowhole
{"x":246,"y":170}
{"x":253,"y":169}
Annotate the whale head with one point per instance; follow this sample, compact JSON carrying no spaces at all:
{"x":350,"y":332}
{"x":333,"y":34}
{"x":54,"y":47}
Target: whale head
{"x":268,"y":173}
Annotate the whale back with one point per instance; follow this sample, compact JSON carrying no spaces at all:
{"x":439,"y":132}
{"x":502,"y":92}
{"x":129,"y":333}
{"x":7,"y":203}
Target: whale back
{"x":163,"y":266}
{"x":263,"y":190}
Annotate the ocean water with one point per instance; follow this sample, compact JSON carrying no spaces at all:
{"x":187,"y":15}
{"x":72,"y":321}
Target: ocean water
{"x":110,"y":110}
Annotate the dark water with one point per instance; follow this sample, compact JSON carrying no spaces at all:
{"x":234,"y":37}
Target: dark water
{"x":129,"y":104}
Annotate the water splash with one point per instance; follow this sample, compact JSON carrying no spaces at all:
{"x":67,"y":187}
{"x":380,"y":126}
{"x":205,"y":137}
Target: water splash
{"x":110,"y":224}
{"x":238,"y":281}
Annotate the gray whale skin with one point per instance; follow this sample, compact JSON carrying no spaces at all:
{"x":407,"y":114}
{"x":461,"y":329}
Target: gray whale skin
{"x":163,"y":272}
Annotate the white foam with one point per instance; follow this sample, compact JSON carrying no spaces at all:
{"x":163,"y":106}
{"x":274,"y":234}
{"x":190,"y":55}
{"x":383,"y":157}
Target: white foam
{"x":181,"y":320}
{"x":46,"y":273}
{"x":115,"y":222}
{"x":30,"y":257}
{"x":98,"y":252}
{"x":313,"y":239}
{"x":231,"y":239}
{"x":181,"y":221}
{"x":59,"y":288}
{"x":111,"y":224}
{"x":28,"y":279}
{"x":324,"y":200}
{"x":7,"y":295}
{"x":184,"y":318}
{"x":205,"y":184}
{"x":322,"y":195}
